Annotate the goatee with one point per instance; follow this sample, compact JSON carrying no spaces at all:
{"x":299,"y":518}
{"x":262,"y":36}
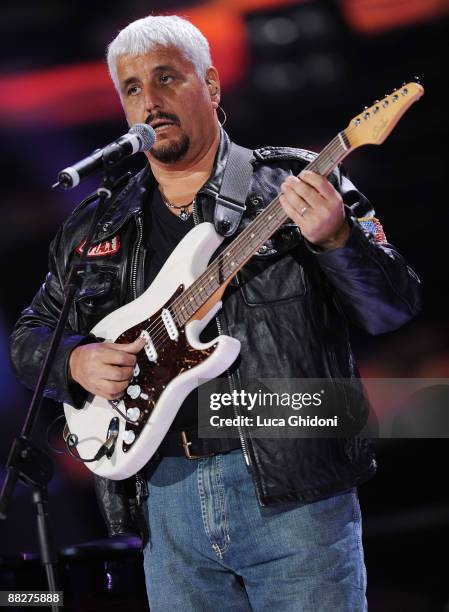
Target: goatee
{"x":172,"y":152}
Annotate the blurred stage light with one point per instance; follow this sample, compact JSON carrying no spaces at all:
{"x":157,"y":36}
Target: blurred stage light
{"x":324,"y":68}
{"x":278,"y":77}
{"x":374,"y":16}
{"x":280,"y":31}
{"x":296,"y":46}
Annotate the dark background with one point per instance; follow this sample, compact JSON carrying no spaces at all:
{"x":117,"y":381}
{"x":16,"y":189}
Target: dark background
{"x":294,"y":73}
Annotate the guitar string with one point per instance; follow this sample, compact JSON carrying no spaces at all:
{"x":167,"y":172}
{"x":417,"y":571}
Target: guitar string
{"x":159,"y":330}
{"x":325,"y":157}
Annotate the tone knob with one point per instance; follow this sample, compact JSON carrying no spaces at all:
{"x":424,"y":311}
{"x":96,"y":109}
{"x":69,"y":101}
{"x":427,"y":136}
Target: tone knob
{"x":129,"y":436}
{"x":133,"y":391}
{"x":133,"y":414}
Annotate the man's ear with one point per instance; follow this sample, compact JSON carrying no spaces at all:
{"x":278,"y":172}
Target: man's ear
{"x":213,"y":85}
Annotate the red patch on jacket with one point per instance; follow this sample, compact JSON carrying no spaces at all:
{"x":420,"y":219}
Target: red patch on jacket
{"x":108,"y":247}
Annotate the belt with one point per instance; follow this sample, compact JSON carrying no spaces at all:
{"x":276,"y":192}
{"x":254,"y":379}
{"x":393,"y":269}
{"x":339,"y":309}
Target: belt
{"x":186,"y":443}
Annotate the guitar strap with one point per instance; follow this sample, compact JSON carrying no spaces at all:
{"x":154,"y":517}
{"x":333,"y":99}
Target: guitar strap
{"x":230,"y":201}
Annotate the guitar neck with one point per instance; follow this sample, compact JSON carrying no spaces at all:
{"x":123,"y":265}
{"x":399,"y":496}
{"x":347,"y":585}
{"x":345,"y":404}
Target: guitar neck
{"x":220,"y":272}
{"x":371,"y":126}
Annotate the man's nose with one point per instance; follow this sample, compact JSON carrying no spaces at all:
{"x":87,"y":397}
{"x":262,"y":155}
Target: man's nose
{"x":153,"y":100}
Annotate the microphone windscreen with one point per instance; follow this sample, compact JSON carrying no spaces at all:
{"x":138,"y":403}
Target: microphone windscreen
{"x":146,"y":134}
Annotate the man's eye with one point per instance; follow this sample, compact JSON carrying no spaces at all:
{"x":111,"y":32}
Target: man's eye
{"x":166,"y":78}
{"x":133,"y":90}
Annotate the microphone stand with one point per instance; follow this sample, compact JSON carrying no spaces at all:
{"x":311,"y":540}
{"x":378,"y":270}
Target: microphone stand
{"x":26,"y":462}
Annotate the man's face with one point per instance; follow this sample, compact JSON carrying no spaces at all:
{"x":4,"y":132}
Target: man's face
{"x":162,"y":88}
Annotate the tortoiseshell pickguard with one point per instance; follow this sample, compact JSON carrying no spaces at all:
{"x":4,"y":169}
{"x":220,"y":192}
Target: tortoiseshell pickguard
{"x":173,"y":358}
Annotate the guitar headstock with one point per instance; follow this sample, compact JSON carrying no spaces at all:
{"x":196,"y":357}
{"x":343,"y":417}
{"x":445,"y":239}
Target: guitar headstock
{"x":375,"y":123}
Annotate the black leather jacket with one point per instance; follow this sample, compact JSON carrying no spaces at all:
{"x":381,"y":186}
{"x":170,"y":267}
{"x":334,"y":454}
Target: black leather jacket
{"x":289,"y":307}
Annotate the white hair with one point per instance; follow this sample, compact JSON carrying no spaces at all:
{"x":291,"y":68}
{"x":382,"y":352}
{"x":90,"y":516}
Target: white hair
{"x":143,"y":35}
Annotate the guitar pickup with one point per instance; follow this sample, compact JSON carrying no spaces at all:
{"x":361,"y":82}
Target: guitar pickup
{"x":149,"y":348}
{"x":170,"y":325}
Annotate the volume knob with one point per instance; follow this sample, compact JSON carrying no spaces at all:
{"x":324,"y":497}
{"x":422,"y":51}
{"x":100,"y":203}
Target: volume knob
{"x":133,"y":414}
{"x":128,"y":436}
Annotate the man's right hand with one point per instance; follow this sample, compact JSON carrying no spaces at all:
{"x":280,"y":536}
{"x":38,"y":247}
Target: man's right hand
{"x":104,"y":369}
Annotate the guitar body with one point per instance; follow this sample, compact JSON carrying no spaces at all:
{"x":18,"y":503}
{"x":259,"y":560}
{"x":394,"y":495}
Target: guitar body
{"x":164,"y":375}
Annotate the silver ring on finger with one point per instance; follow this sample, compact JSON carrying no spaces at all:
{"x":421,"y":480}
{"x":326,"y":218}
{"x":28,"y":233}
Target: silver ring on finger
{"x":303,"y":211}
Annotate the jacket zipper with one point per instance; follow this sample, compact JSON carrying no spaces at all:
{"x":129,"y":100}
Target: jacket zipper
{"x":228,"y":373}
{"x":141,"y":485}
{"x":135,"y":258}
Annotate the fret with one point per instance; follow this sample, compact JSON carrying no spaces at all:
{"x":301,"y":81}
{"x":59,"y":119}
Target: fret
{"x":330,"y":156}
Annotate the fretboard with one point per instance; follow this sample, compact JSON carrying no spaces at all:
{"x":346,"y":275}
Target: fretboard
{"x":243,"y":247}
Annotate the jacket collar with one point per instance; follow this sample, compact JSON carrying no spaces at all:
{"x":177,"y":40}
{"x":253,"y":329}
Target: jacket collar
{"x":130,"y":200}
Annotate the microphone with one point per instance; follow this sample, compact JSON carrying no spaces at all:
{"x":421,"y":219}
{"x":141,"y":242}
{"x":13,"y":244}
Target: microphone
{"x":140,"y":137}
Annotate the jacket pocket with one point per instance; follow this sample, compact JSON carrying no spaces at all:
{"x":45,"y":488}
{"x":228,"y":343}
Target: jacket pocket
{"x":98,"y":295}
{"x":271,"y":279}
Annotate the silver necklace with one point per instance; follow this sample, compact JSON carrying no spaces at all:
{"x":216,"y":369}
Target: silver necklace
{"x":185,"y":214}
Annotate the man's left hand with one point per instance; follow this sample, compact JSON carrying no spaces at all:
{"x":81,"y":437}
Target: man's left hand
{"x":317,"y":208}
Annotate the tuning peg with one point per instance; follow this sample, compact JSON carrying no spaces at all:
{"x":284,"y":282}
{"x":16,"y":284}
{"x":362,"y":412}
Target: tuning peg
{"x":417,"y":79}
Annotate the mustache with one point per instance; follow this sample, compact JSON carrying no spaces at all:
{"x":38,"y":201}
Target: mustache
{"x":161,"y":115}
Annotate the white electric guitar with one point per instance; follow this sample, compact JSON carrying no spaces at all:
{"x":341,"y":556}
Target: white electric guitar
{"x":174,"y":310}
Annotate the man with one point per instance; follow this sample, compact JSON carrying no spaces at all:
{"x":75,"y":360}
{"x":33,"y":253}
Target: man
{"x":253,"y":524}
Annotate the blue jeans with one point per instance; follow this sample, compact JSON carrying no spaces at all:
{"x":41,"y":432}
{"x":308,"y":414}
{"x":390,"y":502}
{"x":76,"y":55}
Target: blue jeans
{"x":213,"y":548}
